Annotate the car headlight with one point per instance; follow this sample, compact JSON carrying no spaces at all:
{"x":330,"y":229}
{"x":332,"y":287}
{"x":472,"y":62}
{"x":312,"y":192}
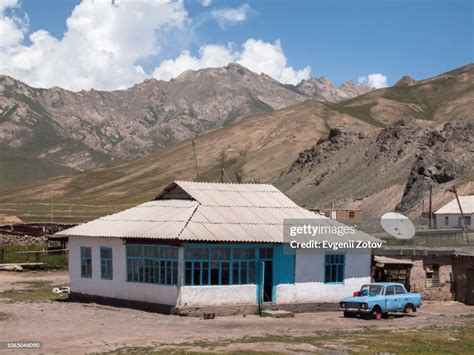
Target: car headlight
{"x":364,"y":305}
{"x":343,"y":305}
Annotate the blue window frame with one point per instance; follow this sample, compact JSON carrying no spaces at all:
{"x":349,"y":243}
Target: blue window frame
{"x":86,"y":262}
{"x":152,"y":264}
{"x":218,"y":265}
{"x":334,"y":266}
{"x":106,"y":269}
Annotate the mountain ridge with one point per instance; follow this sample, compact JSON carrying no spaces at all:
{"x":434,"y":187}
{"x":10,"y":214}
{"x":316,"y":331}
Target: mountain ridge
{"x":86,"y":129}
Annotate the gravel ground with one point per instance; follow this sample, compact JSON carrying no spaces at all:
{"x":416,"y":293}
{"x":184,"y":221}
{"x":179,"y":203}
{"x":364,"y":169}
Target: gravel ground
{"x":79,"y":328}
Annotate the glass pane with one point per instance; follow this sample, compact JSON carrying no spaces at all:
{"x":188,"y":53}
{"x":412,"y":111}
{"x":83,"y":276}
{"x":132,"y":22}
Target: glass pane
{"x":215,"y":273}
{"x":197,"y":273}
{"x":236,"y":254}
{"x":243,"y":273}
{"x":188,"y":274}
{"x":205,"y":273}
{"x":175,"y":272}
{"x":340,"y":273}
{"x":163,"y":272}
{"x":251,"y":253}
{"x":327,"y":274}
{"x":235,"y":273}
{"x":129,"y":270}
{"x":169,"y":271}
{"x":252,"y":272}
{"x":225,"y":273}
{"x":216,"y":253}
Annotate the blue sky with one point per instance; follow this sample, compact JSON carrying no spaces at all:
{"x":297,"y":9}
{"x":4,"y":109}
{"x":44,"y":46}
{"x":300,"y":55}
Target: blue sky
{"x":337,"y":39}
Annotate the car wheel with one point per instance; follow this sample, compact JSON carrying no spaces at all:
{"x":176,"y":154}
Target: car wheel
{"x":376,"y":314}
{"x":408,"y":308}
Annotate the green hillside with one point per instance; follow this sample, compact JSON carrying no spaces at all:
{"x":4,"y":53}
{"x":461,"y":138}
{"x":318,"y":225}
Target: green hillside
{"x":18,"y":168}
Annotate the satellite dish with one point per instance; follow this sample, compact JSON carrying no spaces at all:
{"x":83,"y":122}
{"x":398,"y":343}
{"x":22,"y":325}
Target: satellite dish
{"x":397,"y":225}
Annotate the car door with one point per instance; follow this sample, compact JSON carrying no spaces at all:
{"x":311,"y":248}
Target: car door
{"x":402,"y":298}
{"x":391,"y":303}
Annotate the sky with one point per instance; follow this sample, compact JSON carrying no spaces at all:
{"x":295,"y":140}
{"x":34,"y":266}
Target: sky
{"x":113,"y":44}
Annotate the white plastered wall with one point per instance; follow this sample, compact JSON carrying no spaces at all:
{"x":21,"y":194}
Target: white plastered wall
{"x":453,"y":221}
{"x":217,"y":295}
{"x":309,"y":284}
{"x":118,"y":287}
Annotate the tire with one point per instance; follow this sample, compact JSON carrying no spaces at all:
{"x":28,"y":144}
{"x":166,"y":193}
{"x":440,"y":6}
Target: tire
{"x":349,"y":315}
{"x":408,"y":308}
{"x":376,"y":314}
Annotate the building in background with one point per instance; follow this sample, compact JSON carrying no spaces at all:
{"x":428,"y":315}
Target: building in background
{"x":207,"y":245}
{"x":439,"y":274}
{"x":449,"y":216}
{"x":340,"y":214}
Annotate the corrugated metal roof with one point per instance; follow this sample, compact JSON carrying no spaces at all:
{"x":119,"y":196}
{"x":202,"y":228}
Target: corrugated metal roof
{"x":213,"y":212}
{"x":392,"y":261}
{"x":467,"y":205}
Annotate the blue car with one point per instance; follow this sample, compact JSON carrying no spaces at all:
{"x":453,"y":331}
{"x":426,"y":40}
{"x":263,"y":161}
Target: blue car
{"x":377,"y":299}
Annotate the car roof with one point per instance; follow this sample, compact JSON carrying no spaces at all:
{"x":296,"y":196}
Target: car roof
{"x":385,"y":283}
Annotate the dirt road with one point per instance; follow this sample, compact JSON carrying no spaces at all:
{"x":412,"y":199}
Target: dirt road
{"x":80,"y":328}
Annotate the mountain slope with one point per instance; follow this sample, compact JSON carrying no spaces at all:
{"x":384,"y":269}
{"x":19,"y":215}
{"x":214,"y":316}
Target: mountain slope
{"x":323,"y":89}
{"x":86,"y":129}
{"x":259,"y":148}
{"x":384,"y":170}
{"x":17,"y":168}
{"x":442,"y":98}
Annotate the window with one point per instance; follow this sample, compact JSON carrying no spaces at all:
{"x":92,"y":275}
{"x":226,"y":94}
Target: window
{"x":106,"y":271}
{"x":221,"y":266}
{"x":389,"y":291}
{"x":446,"y":220}
{"x":86,"y":262}
{"x":467,"y":220}
{"x":334,"y":265}
{"x":399,"y":290}
{"x":351,"y":215}
{"x":152,"y":264}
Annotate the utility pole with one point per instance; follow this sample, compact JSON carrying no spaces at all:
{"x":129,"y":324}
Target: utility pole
{"x":430,"y":209}
{"x":238,"y":177}
{"x":195,"y":159}
{"x":222,"y":175}
{"x":52,"y":209}
{"x":463,"y":221}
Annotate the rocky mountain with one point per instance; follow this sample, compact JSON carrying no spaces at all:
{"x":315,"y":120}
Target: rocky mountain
{"x":319,"y":154}
{"x":259,"y":147}
{"x":383,"y":170}
{"x":89,"y":128}
{"x":323,"y":89}
{"x":442,"y":98}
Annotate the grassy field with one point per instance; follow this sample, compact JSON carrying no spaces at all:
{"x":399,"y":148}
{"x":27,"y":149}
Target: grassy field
{"x":56,"y":260}
{"x":31,"y":292}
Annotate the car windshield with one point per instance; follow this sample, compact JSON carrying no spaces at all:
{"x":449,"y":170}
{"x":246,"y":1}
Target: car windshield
{"x":367,"y":290}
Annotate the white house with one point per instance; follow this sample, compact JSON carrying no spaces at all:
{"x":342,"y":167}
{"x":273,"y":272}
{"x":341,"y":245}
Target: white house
{"x":449,"y":216}
{"x":201,"y":245}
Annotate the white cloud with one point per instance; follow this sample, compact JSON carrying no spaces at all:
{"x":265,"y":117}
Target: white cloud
{"x":206,"y":3}
{"x":231,"y":16}
{"x":105,"y":41}
{"x":375,"y":80}
{"x":257,"y":55}
{"x":13,"y":27}
{"x":101,"y":46}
